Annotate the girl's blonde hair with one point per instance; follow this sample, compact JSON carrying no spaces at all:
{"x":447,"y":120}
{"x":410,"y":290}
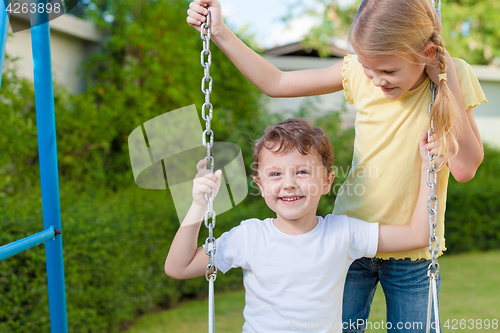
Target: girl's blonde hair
{"x":405,"y":27}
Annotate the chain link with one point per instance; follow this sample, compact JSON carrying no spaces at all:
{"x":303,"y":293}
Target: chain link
{"x":437,"y":6}
{"x":432,"y":208}
{"x":208,"y":142}
{"x":432,"y":202}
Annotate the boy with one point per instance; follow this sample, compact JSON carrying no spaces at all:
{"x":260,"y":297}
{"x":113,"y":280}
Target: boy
{"x":294,"y":265}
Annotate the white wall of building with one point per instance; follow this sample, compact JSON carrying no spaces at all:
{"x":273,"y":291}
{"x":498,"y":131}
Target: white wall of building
{"x":72,"y":42}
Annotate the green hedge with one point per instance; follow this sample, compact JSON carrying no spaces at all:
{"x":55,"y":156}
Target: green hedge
{"x":473,"y":208}
{"x":115,"y":245}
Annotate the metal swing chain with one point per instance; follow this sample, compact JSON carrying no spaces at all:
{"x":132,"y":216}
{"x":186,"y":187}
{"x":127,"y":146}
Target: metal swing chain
{"x":432,"y":208}
{"x":210,"y":246}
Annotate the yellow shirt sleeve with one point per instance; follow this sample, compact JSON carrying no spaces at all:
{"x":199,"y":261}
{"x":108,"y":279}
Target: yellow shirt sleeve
{"x":472,"y":93}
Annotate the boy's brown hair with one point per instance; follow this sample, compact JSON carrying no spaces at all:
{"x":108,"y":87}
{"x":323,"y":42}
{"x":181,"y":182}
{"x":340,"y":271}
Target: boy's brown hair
{"x":298,"y":134}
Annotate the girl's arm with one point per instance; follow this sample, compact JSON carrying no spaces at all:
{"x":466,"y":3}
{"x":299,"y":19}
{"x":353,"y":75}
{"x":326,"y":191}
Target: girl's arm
{"x":470,"y":154}
{"x":264,"y":75}
{"x":470,"y":147}
{"x":400,"y":238}
{"x":185,"y":260}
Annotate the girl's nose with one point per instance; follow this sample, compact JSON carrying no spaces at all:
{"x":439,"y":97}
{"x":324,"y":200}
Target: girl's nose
{"x":378,"y":81}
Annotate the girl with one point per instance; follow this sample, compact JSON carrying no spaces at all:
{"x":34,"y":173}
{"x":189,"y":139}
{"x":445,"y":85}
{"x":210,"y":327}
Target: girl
{"x":399,"y":51}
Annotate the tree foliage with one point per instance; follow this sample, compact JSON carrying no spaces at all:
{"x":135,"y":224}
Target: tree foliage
{"x":470,"y":28}
{"x":149,"y":64}
{"x":471,"y":31}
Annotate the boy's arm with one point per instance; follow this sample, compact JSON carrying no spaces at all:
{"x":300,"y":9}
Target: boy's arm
{"x":264,"y":75}
{"x":185,"y":260}
{"x":400,"y":238}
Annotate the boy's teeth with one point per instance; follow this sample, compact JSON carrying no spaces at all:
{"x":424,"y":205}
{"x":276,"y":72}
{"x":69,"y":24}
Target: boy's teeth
{"x":290,"y":199}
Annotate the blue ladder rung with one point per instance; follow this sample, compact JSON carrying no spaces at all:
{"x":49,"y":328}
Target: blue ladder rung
{"x":21,"y":245}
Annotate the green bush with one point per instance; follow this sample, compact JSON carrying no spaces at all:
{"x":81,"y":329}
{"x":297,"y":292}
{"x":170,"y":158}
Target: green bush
{"x":473,"y":208}
{"x":115,"y":245}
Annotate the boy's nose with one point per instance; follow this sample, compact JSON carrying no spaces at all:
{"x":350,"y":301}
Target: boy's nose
{"x":289,"y":182}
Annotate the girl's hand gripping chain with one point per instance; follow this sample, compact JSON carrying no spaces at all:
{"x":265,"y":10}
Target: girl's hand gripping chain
{"x":433,"y":149}
{"x":197,"y":15}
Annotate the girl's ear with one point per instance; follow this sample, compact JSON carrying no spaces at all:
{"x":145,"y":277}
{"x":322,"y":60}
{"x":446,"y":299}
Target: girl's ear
{"x":430,"y":51}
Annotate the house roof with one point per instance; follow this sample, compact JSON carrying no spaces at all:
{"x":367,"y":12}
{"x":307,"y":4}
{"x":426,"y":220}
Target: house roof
{"x":298,"y":49}
{"x":65,"y":24}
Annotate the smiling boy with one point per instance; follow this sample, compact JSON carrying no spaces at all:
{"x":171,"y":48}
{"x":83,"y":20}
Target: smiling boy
{"x":294,"y":265}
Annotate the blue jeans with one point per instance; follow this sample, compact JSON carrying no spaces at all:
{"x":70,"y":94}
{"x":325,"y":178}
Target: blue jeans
{"x":406,"y":288}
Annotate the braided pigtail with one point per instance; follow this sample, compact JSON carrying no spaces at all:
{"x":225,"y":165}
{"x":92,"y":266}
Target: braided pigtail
{"x":445,"y":112}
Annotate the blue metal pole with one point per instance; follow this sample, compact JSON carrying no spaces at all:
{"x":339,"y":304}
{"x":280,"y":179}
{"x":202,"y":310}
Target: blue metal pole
{"x":21,"y":245}
{"x":47,"y":149}
{"x":4,"y":29}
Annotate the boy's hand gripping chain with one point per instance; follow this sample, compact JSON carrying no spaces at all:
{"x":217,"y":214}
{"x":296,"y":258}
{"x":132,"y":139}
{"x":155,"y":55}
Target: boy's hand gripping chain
{"x":210,"y":247}
{"x":432,"y":207}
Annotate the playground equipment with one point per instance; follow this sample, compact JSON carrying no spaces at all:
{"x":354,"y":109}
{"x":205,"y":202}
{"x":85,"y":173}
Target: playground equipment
{"x":432,"y":208}
{"x":47,"y":149}
{"x":211,"y":272}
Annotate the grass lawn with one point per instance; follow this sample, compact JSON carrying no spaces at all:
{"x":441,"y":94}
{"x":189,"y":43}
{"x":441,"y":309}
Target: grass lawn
{"x":470,"y":294}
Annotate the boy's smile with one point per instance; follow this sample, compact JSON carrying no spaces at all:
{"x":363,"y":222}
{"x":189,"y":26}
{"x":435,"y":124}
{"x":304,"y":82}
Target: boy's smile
{"x":292,"y":185}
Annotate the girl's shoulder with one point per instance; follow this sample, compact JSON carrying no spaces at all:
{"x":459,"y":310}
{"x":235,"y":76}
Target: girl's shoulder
{"x":464,"y":69}
{"x":351,"y":60}
{"x":355,"y":82}
{"x":461,"y":64}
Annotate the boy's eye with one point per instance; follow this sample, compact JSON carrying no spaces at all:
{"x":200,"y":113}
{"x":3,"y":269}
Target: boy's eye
{"x":302,"y":172}
{"x":275,"y":174}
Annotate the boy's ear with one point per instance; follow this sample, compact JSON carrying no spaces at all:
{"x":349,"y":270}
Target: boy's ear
{"x":257,"y":181}
{"x":328,"y":183}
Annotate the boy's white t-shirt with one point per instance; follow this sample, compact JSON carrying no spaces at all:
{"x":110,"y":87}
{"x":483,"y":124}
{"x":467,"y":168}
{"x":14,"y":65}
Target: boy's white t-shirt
{"x":295,"y":282}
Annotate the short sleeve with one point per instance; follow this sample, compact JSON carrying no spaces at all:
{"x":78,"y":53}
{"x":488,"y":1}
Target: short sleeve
{"x":363,"y":239}
{"x":348,"y":73}
{"x":472,"y":93}
{"x":230,"y":249}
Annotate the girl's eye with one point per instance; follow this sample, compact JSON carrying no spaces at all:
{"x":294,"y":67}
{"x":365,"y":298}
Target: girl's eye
{"x":389,"y":72}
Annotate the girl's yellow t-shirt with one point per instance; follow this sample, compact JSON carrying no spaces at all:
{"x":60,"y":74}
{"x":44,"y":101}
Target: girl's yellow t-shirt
{"x":383,"y":182}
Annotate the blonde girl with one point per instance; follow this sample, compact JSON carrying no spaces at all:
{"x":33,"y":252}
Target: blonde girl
{"x":399,"y":51}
